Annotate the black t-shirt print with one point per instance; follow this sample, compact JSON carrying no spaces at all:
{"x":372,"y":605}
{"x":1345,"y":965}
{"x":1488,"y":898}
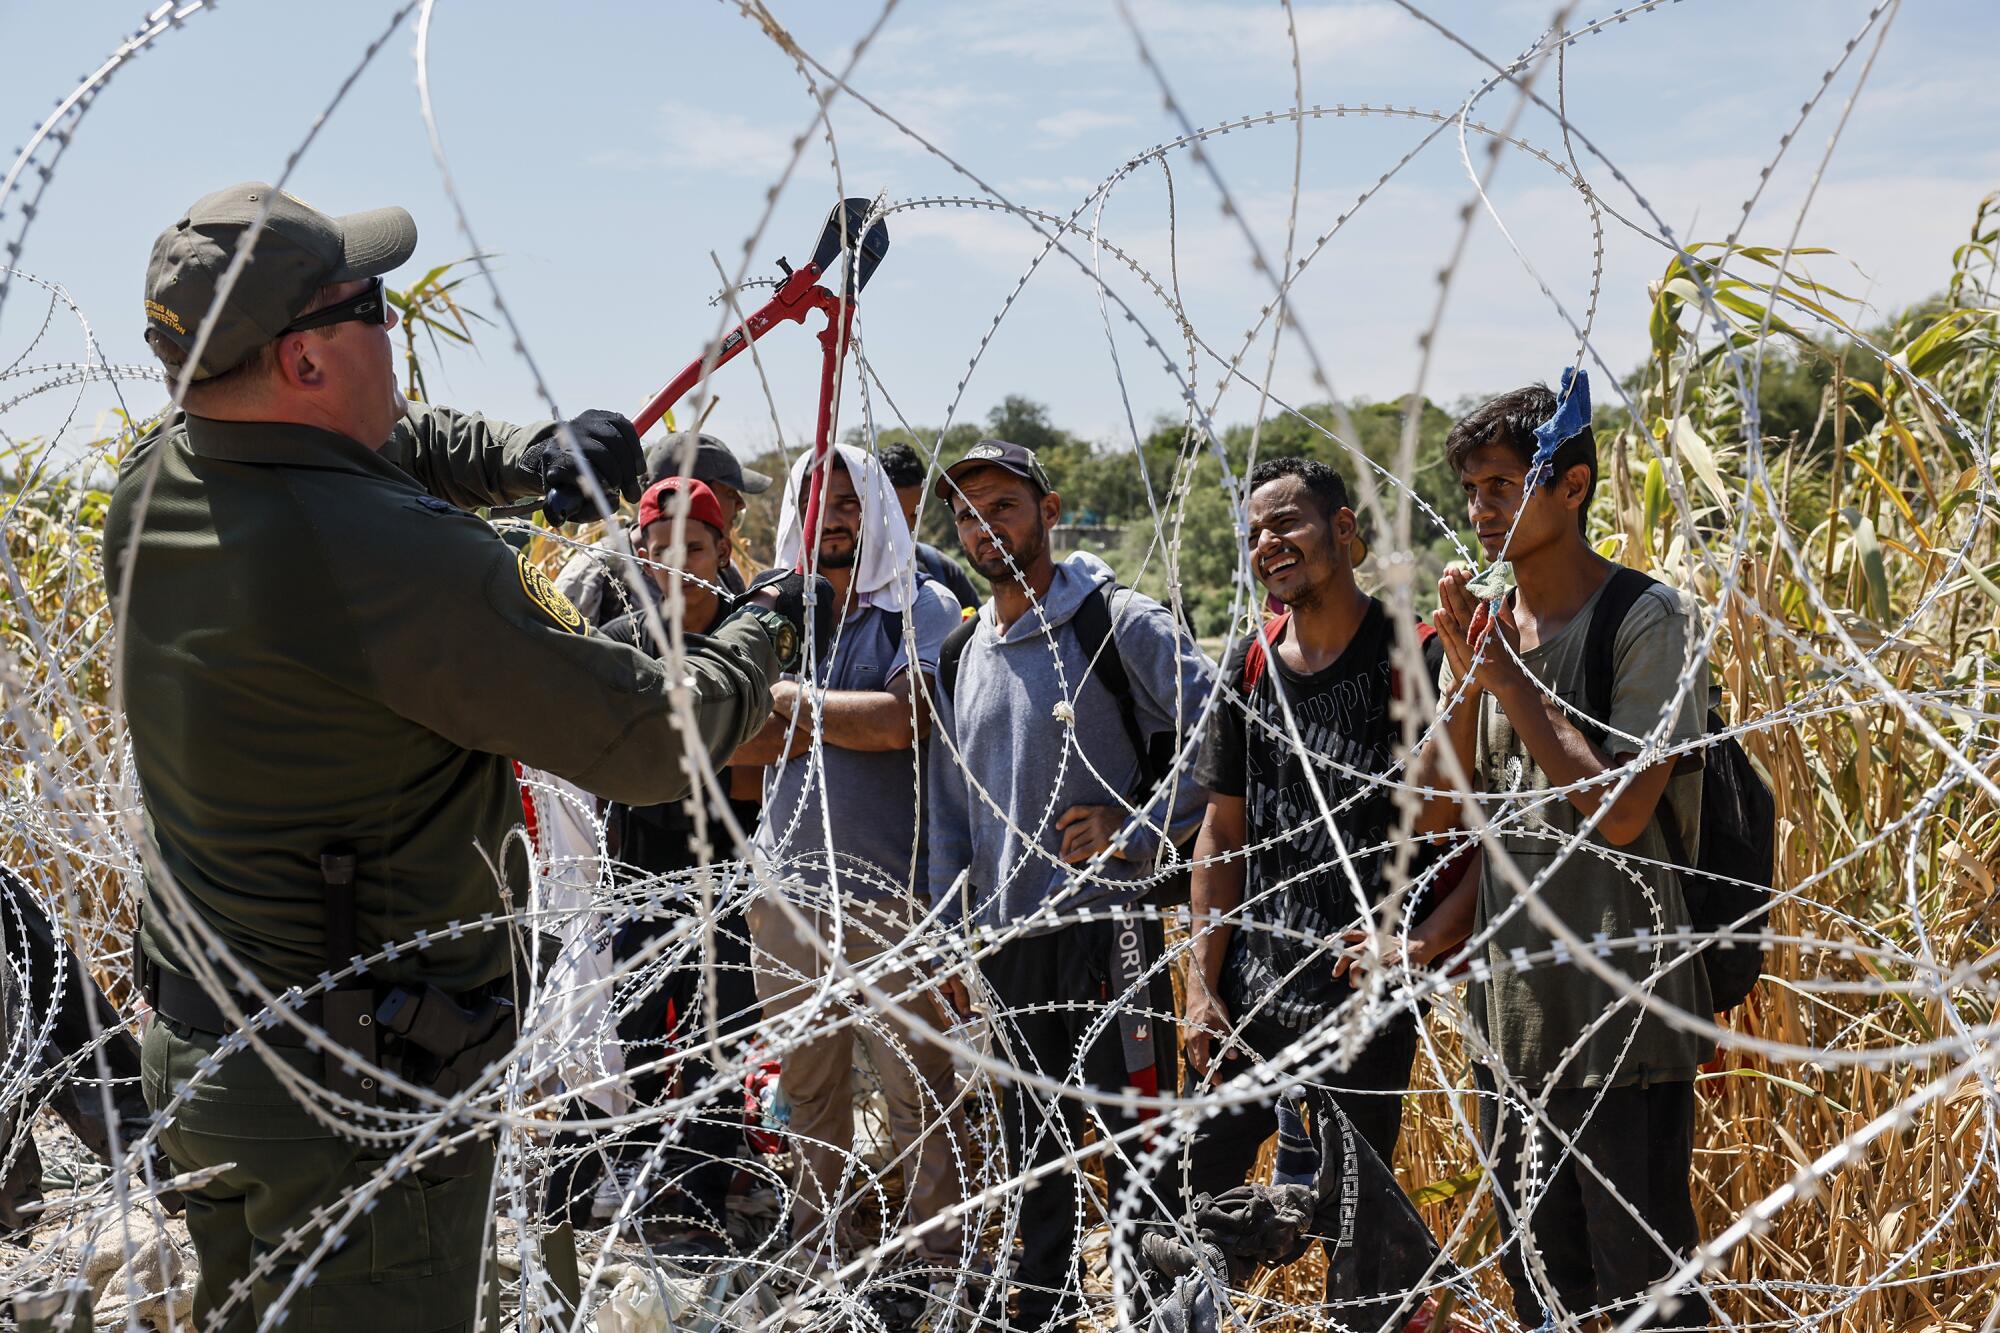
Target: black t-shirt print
{"x":1294,"y":880}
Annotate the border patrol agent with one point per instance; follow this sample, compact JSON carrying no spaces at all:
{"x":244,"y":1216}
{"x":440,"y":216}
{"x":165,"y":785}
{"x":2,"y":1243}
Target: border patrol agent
{"x":327,"y":668}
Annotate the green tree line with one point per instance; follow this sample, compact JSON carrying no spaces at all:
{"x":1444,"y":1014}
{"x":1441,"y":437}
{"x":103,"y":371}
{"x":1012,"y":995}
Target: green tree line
{"x":1127,"y":509}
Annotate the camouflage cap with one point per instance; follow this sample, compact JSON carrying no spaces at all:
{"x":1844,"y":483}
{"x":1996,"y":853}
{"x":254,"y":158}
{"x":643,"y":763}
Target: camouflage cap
{"x":299,"y":250}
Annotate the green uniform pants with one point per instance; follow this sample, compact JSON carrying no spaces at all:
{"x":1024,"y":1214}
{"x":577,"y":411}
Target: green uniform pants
{"x":411,"y":1263}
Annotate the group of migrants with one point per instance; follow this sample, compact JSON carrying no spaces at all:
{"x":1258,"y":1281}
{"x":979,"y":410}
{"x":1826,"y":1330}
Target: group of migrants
{"x":331,"y":667}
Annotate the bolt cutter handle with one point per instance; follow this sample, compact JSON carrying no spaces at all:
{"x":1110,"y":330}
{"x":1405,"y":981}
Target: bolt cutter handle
{"x":846,"y":233}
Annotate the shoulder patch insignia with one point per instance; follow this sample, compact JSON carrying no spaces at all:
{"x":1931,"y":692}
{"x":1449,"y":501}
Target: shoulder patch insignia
{"x":545,"y":594}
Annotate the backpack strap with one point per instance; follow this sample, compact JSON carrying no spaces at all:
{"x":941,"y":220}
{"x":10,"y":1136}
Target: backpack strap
{"x":1600,"y":665}
{"x":893,"y":620}
{"x":1258,"y":655}
{"x":952,"y":652}
{"x":1093,"y":630}
{"x":1092,"y":622}
{"x":1262,"y":645}
{"x":1626,"y":586}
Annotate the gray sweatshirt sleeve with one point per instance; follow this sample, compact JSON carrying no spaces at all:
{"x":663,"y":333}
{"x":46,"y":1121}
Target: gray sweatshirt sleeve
{"x":948,"y":822}
{"x":1172,"y":680}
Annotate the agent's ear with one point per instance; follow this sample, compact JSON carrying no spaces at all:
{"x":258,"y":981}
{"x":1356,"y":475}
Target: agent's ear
{"x":297,"y":366}
{"x":1051,"y":509}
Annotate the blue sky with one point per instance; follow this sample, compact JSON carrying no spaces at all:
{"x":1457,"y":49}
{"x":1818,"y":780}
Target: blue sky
{"x":605,"y":151}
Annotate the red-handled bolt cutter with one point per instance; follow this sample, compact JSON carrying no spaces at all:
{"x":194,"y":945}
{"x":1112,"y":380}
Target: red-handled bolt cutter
{"x":846,"y":237}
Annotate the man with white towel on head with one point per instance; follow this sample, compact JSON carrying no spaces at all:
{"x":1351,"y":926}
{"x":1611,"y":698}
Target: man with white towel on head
{"x":842,"y":844}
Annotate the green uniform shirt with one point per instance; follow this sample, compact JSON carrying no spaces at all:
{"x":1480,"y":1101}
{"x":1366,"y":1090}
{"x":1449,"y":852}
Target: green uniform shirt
{"x":320,"y":649}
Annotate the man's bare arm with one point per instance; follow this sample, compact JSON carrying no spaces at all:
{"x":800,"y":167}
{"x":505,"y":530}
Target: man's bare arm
{"x":1450,"y":925}
{"x":1433,"y":769}
{"x":1568,"y":757}
{"x":870,"y":720}
{"x":1446,"y":758}
{"x":1216,"y":887}
{"x":1216,"y":891}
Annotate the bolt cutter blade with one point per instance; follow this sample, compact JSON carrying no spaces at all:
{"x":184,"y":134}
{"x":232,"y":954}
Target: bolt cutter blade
{"x":843,"y":228}
{"x":874,"y":244}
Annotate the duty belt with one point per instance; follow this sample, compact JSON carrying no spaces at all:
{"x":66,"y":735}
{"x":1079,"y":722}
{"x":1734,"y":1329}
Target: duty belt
{"x":440,"y":1041}
{"x":425,"y":1017}
{"x":187,"y":1002}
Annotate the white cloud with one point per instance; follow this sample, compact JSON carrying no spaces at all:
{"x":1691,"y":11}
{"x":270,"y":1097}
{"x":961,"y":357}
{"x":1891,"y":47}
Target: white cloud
{"x":994,"y":238}
{"x":696,"y":137}
{"x":1325,"y":31}
{"x":1177,"y":31}
{"x":1040,"y":190}
{"x":704,"y":138}
{"x":1065,"y":126}
{"x":940,"y":114}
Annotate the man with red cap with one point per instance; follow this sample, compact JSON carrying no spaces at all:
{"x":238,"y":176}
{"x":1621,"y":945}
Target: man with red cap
{"x":698,"y":569}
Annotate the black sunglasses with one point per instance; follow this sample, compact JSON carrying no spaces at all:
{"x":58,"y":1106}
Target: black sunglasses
{"x":369,"y":307}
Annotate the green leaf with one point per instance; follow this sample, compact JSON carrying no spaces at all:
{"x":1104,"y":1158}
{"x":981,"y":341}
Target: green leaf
{"x":1755,"y":313}
{"x":1654,"y":496}
{"x":1952,"y":334}
{"x":1980,"y":579}
{"x":1684,"y":289}
{"x":1769,"y":1077}
{"x":1438,"y":1191}
{"x":1868,"y":550}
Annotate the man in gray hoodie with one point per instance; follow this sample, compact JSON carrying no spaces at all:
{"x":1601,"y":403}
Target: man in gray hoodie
{"x":1059,"y":799}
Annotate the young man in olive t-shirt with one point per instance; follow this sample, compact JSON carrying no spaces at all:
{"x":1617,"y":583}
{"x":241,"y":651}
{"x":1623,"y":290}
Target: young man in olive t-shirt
{"x":1589,"y":1116}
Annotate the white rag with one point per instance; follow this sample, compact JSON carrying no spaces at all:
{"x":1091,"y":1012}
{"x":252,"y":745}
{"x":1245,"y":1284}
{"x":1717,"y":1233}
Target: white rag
{"x":582,"y":1041}
{"x":887,"y":573}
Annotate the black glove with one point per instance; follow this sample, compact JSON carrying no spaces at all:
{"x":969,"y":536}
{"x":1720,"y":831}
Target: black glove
{"x":784,"y":591}
{"x":610,"y":448}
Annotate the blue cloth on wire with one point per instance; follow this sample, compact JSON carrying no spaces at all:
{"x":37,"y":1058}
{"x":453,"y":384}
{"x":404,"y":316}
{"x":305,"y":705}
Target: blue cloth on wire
{"x":1572,"y":415}
{"x":1298,"y":1156}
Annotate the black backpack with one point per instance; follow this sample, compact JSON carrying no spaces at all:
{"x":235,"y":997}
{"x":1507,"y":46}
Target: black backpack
{"x":1727,"y":885}
{"x":1092,"y":623}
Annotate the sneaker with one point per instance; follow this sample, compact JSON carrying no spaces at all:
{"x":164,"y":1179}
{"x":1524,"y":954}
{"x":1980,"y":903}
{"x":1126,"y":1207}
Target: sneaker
{"x":620,"y":1178}
{"x":962,"y":1306}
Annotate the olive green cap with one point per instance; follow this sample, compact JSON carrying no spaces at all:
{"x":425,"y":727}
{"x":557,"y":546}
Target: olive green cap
{"x":299,"y":250}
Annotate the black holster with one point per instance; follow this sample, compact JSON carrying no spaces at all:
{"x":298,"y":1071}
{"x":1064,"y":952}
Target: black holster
{"x":457,"y":1044}
{"x":442,"y":1045}
{"x":425,"y":1035}
{"x":348,"y":1010}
